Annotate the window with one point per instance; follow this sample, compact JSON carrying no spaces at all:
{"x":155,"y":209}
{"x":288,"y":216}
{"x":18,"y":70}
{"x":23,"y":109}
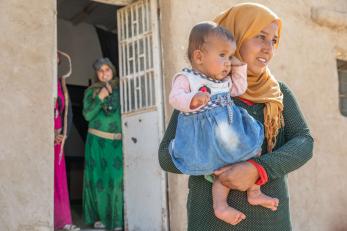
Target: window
{"x":342,"y":73}
{"x":137,"y":69}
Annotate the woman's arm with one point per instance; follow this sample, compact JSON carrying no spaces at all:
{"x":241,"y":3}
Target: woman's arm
{"x":239,"y":176}
{"x":91,"y":106}
{"x":296,"y":151}
{"x":298,"y":146}
{"x":165,"y":160}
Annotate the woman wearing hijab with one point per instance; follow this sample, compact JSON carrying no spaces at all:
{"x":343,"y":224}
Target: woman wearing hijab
{"x":103,"y":174}
{"x":62,"y":126}
{"x":287,"y":144}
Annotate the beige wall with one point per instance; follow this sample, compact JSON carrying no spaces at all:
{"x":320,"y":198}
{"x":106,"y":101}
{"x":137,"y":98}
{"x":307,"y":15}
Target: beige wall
{"x":28,"y":65}
{"x":306,"y":61}
{"x":82,"y":44}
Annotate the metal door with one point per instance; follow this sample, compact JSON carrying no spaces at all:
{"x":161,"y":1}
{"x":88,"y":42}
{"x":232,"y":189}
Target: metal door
{"x":142,"y":116}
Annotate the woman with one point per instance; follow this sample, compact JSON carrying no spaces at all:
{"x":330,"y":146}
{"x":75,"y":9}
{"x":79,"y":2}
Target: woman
{"x":62,"y":212}
{"x":103,"y":175}
{"x":287,"y":144}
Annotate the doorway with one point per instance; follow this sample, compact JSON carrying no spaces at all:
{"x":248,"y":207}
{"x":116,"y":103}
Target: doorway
{"x":86,"y":31}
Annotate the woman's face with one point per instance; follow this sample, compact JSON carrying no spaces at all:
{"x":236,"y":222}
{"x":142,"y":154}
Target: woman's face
{"x":258,"y":51}
{"x":104,"y":73}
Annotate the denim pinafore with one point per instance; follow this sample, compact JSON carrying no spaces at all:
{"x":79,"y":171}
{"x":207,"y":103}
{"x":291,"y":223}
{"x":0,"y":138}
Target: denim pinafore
{"x":218,"y":134}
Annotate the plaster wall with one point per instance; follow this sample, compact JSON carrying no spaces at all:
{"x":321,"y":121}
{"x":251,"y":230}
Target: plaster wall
{"x":28,"y":67}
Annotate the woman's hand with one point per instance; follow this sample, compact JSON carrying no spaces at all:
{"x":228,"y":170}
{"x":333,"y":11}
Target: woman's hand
{"x":239,"y":176}
{"x":58,"y":139}
{"x":105,"y":91}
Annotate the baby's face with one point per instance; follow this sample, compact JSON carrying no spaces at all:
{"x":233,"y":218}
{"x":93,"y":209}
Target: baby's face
{"x":217,"y":57}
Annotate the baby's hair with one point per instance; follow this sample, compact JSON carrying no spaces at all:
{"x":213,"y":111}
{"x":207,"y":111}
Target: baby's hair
{"x":200,"y":32}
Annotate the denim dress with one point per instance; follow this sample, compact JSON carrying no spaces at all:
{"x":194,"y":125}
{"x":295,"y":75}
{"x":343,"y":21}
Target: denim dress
{"x":218,"y":134}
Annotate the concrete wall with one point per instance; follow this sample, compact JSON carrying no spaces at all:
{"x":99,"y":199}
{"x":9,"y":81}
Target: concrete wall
{"x":82,"y":44}
{"x":306,"y":61}
{"x":28,"y":70}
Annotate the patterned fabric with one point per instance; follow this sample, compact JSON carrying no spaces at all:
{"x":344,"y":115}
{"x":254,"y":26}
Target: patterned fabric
{"x":293,"y":149}
{"x":62,"y":212}
{"x":221,"y":101}
{"x":186,"y":84}
{"x":103,"y":175}
{"x":198,"y":80}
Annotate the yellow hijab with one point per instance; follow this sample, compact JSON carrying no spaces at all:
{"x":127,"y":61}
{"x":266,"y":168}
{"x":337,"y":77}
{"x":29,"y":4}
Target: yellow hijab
{"x":245,"y":21}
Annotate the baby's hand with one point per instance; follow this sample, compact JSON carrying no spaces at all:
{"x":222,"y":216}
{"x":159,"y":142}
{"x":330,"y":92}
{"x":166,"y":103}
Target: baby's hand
{"x":235,"y":61}
{"x":199,"y":99}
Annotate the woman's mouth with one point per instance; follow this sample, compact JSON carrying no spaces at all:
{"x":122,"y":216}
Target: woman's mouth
{"x":262,"y":60}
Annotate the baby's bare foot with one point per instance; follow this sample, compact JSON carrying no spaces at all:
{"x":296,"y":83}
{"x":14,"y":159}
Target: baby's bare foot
{"x":229,"y":215}
{"x":258,"y":198}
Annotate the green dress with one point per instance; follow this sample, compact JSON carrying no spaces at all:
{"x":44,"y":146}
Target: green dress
{"x":293,"y":149}
{"x":103,"y":174}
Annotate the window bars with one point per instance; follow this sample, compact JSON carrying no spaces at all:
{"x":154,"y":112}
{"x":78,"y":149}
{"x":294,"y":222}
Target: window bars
{"x":137,"y":78}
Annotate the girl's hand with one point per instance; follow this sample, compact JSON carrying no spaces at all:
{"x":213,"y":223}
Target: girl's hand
{"x":239,"y":176}
{"x":104,"y":92}
{"x":58,"y":139}
{"x":199,"y":99}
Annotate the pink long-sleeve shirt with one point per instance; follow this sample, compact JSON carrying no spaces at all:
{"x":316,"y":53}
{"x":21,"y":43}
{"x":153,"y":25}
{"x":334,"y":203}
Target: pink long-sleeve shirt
{"x":181,"y":94}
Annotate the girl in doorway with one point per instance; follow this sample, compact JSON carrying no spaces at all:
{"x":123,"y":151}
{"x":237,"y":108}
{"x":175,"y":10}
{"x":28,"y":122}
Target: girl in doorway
{"x":62,"y":212}
{"x":103,"y":175}
{"x":211,"y":130}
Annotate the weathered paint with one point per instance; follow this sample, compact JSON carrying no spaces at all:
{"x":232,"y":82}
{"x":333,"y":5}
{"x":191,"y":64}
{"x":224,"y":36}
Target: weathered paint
{"x":28,"y":67}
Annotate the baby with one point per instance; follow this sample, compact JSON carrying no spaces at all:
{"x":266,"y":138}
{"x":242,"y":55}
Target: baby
{"x":211,"y":130}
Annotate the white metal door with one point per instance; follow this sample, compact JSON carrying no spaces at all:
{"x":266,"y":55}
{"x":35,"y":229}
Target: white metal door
{"x":142,"y":116}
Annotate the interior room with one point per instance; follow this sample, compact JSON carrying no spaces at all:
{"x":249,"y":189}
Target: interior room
{"x":86,"y":30}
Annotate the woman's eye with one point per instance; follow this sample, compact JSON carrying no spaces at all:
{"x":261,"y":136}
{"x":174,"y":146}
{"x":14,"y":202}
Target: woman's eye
{"x":262,"y":37}
{"x":274,"y":41}
{"x":222,"y":55}
{"x":230,"y":57}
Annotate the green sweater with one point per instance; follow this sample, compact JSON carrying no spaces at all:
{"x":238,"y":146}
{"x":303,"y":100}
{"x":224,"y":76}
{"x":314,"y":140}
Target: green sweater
{"x":94,"y":113}
{"x":293,"y":149}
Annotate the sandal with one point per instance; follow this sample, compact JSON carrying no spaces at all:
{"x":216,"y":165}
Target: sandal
{"x":71,"y":227}
{"x":99,"y":225}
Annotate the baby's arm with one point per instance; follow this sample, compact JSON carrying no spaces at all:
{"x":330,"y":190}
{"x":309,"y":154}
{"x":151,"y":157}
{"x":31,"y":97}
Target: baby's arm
{"x":182,"y":99}
{"x":238,"y":78}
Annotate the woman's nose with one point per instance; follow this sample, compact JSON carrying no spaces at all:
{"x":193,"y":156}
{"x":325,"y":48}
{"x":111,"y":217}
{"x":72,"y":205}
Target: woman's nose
{"x":268,"y":46}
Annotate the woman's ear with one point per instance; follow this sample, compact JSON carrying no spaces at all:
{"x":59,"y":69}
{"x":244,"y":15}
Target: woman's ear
{"x":198,"y":57}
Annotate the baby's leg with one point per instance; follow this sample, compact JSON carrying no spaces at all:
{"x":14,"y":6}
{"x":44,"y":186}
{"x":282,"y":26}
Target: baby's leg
{"x":221,"y":208}
{"x":256,"y":197}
